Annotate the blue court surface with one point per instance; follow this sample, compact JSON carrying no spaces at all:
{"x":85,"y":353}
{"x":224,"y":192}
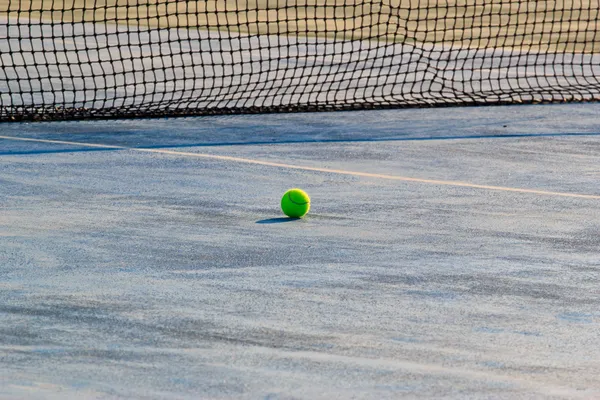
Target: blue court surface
{"x":448,"y":253}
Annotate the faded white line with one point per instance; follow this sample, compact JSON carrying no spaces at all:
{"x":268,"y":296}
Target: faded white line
{"x":315,"y":169}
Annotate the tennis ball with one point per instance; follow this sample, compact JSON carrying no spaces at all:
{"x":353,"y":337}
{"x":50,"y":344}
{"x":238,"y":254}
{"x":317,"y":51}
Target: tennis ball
{"x":295,"y":203}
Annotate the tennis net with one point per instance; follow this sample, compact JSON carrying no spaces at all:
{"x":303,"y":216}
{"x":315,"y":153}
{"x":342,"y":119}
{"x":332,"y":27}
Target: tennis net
{"x":77,"y":59}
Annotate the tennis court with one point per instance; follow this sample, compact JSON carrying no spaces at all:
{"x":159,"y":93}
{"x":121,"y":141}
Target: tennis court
{"x":448,"y":252}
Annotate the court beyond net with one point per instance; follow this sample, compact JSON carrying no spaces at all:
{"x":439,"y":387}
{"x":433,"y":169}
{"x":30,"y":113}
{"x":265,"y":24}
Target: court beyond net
{"x":82,"y":59}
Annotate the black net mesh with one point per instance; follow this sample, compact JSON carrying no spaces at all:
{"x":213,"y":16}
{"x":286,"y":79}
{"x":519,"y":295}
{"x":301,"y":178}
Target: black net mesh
{"x":69,"y":59}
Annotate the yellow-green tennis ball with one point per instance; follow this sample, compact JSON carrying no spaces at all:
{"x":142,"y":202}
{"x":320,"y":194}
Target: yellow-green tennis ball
{"x":295,"y":203}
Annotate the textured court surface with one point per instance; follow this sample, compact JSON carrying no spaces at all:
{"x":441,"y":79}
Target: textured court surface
{"x":445,"y":256}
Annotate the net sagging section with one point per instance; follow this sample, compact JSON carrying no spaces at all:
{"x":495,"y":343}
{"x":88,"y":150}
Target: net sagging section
{"x":71,"y":59}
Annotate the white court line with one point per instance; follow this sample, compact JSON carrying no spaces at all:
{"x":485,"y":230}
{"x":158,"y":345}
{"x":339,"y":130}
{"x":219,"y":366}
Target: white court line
{"x":313,"y":169}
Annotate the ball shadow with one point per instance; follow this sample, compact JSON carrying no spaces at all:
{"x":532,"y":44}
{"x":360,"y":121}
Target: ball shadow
{"x":276,"y":220}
